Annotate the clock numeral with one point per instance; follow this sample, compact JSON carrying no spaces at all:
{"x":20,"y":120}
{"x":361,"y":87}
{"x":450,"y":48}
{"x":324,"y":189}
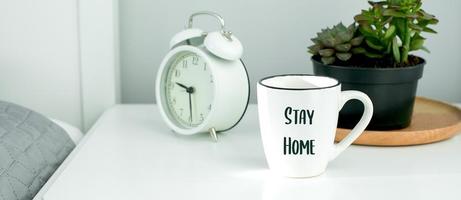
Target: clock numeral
{"x":204,"y":67}
{"x":173,"y":101}
{"x":211,"y":79}
{"x":181,"y":111}
{"x":195,"y":60}
{"x":170,"y":85}
{"x":184,"y":63}
{"x":209,"y":107}
{"x":201,"y":117}
{"x":177,"y":73}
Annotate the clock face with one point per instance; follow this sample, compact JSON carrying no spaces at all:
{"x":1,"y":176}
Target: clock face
{"x":188,"y":89}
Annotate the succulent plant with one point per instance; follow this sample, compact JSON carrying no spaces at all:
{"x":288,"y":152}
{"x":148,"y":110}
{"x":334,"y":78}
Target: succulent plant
{"x":335,"y":43}
{"x":393,"y":28}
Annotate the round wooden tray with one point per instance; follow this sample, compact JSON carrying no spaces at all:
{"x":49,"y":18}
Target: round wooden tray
{"x":432,"y":121}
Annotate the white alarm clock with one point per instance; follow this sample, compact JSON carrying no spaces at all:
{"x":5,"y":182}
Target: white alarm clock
{"x":202,"y":84}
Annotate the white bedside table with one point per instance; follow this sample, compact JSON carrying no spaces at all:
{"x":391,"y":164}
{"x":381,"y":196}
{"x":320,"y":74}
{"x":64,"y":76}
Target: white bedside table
{"x":131,"y":154}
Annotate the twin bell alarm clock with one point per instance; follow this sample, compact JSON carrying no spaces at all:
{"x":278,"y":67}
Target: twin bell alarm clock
{"x":202,"y":84}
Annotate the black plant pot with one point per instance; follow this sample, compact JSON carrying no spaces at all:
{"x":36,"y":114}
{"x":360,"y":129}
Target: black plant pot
{"x":392,"y":91}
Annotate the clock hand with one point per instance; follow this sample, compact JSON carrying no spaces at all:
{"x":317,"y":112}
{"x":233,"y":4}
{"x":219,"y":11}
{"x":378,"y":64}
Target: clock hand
{"x":190,"y":106}
{"x":182,"y":85}
{"x":188,"y":89}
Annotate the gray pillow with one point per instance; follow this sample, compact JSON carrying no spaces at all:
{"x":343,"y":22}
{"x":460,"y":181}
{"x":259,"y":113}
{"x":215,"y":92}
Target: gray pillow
{"x":31,"y":148}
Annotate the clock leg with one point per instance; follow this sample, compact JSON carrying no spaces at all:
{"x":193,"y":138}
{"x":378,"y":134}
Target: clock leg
{"x":213,"y":134}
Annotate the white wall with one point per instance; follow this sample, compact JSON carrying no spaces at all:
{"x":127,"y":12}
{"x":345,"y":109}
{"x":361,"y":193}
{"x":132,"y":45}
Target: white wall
{"x":99,"y":57}
{"x":60,"y":57}
{"x":275,"y":35}
{"x":39,"y":57}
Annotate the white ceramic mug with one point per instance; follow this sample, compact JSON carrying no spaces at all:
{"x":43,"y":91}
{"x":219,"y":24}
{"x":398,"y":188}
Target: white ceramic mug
{"x":298,"y":115}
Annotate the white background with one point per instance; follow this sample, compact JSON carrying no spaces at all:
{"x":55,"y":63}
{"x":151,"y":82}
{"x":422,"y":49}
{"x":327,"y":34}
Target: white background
{"x":275,"y":35}
{"x":39,"y":57}
{"x":60,"y":57}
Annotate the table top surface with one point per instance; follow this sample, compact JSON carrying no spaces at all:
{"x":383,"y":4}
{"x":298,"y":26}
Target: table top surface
{"x":130,"y":153}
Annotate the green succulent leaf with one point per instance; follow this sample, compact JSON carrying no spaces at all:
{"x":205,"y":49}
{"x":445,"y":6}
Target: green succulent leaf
{"x":362,"y":17}
{"x":326,"y":52}
{"x":374,"y":44}
{"x":314,"y":49}
{"x":395,"y":49}
{"x":433,"y":21}
{"x":357,"y":40}
{"x":425,"y":15}
{"x":390,"y":32}
{"x":388,"y":48}
{"x":393,"y":13}
{"x":358,"y":50}
{"x":344,"y":56}
{"x":429,"y":30}
{"x":328,"y":41}
{"x":415,"y":27}
{"x":366,"y":30}
{"x":422,"y":23}
{"x":373,"y":55}
{"x":400,"y":26}
{"x":417,"y":42}
{"x":343,"y":37}
{"x":339,"y":27}
{"x":412,"y":15}
{"x":377,"y":9}
{"x":388,"y":20}
{"x":366,"y":14}
{"x":328,"y":60}
{"x":343,"y":47}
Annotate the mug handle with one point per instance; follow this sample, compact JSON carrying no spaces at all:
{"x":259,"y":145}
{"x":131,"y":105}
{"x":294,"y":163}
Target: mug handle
{"x":360,"y":127}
